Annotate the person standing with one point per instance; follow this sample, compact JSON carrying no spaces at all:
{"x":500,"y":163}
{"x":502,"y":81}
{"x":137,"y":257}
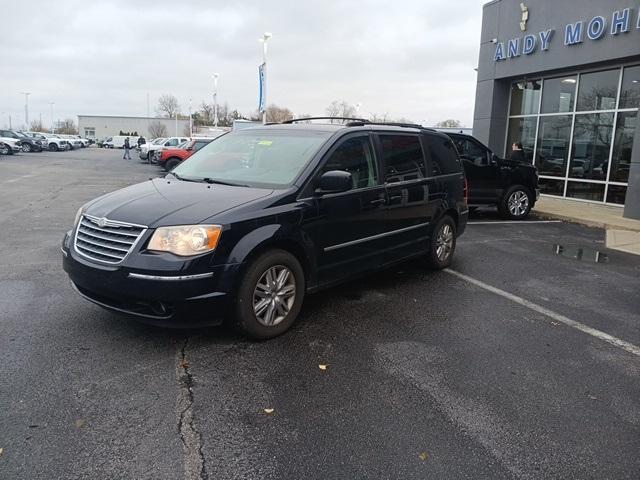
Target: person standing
{"x":127,"y":147}
{"x":517,"y":154}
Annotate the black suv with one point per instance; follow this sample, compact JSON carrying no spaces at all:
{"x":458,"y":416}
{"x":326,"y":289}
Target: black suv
{"x":259,"y":217}
{"x":511,"y":185}
{"x":28,"y":144}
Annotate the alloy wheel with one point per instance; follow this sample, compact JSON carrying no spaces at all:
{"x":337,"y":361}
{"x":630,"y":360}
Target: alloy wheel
{"x":274,"y":295}
{"x":444,"y":242}
{"x":26,"y":147}
{"x":518,"y":203}
{"x":4,"y":149}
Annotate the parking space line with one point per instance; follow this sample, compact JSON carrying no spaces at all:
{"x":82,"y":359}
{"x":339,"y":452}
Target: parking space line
{"x":20,"y":177}
{"x":519,"y":222}
{"x":629,"y":347}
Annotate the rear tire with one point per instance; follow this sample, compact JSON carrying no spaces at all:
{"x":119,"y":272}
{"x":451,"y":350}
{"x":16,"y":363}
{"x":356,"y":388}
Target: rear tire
{"x":5,"y":149}
{"x":442,"y":244}
{"x":516,"y":203}
{"x":171,"y":164}
{"x":270,"y":295}
{"x":26,"y":148}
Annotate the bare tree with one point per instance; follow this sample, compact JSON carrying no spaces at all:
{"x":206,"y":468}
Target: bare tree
{"x":157,"y":130}
{"x":36,"y":126}
{"x":379,"y":118}
{"x":67,"y":127}
{"x":341,"y":109}
{"x":449,"y":123}
{"x":278,"y":114}
{"x":168,"y":105}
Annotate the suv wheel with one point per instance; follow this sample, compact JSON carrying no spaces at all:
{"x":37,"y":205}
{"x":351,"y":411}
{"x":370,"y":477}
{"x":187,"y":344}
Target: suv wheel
{"x":516,"y":203}
{"x":171,"y":164}
{"x":5,"y":149}
{"x":270,"y":295}
{"x":26,"y":147}
{"x":442,"y":244}
{"x":53,"y":147}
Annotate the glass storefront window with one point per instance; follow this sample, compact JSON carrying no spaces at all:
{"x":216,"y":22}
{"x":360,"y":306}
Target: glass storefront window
{"x":554,"y":135}
{"x":630,"y":92}
{"x":598,"y":90}
{"x":525,"y":97}
{"x":522,"y":130}
{"x":616,"y":194}
{"x":592,"y":136}
{"x":559,"y":94}
{"x":586,"y":191}
{"x":623,"y":143}
{"x":551,"y":187}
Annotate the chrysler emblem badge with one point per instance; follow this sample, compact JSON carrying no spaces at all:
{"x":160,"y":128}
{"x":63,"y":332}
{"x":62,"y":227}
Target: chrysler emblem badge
{"x":102,"y":222}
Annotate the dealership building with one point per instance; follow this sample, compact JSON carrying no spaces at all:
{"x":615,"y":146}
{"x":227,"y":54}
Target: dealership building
{"x":563,"y":78}
{"x":102,"y":126}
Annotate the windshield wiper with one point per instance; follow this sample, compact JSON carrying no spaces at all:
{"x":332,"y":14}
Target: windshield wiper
{"x":220,"y":182}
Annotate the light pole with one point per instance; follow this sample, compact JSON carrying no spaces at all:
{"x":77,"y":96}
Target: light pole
{"x":215,"y":99}
{"x":265,"y":38}
{"x":51,"y":104}
{"x":358,"y":105}
{"x":26,"y":108}
{"x":190,"y":121}
{"x":176,"y":124}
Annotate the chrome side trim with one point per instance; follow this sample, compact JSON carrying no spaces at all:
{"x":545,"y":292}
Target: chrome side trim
{"x":173,"y":278}
{"x":63,"y":252}
{"x":374,"y":237}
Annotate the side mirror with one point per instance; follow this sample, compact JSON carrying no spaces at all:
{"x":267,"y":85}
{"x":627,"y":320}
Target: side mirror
{"x":335,"y":181}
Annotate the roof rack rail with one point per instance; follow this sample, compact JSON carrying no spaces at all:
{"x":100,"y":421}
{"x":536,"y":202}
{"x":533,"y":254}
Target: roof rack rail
{"x":294,"y":120}
{"x":401,"y":124}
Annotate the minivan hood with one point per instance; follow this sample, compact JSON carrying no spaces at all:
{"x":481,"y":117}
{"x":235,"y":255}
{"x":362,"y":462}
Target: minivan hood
{"x":163,"y":202}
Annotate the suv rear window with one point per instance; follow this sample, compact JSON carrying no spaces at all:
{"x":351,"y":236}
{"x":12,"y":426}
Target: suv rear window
{"x":444,"y":157}
{"x":403,"y":157}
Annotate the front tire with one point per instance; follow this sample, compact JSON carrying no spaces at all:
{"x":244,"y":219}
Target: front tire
{"x":442,"y":244}
{"x":53,"y":147}
{"x":270,"y":295}
{"x":26,"y":148}
{"x":5,"y":149}
{"x":516,"y":203}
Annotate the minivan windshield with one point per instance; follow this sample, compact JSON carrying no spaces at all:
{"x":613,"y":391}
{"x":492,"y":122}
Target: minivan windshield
{"x":255,"y":157}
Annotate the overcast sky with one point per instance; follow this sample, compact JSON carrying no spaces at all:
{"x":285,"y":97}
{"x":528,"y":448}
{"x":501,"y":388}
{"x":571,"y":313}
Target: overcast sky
{"x":412,"y":59}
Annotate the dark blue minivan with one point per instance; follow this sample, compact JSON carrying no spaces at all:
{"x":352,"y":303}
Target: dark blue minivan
{"x":252,"y":222}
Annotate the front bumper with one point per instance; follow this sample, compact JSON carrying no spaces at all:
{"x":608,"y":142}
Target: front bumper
{"x":16,"y":148}
{"x":176,"y":298}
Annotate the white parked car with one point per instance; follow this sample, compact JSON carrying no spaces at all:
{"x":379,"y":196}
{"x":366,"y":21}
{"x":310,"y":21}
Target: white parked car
{"x":52,"y":142}
{"x":9,"y":146}
{"x":117,"y":141}
{"x":156,"y":146}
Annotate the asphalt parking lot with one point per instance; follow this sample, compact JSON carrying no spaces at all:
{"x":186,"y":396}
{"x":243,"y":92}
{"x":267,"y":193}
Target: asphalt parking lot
{"x":519,"y":362}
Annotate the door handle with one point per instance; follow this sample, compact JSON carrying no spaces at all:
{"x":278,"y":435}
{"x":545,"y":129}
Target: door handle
{"x":377,"y":201}
{"x":395,"y":197}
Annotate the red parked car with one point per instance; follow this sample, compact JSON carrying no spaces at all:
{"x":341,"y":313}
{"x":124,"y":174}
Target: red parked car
{"x":170,"y":158}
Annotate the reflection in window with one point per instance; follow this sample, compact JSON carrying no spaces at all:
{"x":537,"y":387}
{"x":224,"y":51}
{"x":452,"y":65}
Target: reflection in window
{"x":525,"y":97}
{"x":630,"y":93}
{"x":355,"y":156}
{"x":551,"y":187}
{"x":623,"y":144}
{"x":523,"y":130}
{"x":554,"y":135}
{"x":591,"y":144}
{"x":598,"y":90}
{"x":403,"y":158}
{"x":559,"y":94}
{"x":616,"y":194}
{"x":586,"y":191}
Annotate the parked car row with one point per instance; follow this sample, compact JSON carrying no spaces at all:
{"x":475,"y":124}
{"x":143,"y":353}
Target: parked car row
{"x":13,"y":141}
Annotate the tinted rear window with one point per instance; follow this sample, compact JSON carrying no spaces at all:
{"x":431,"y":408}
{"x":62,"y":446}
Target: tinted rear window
{"x":444,"y":157}
{"x":403,"y":157}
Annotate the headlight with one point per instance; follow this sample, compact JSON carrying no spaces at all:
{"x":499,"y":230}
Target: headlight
{"x":185,"y":240}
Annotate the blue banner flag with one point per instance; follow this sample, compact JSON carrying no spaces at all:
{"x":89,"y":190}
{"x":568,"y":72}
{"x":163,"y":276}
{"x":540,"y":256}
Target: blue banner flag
{"x":262,"y":89}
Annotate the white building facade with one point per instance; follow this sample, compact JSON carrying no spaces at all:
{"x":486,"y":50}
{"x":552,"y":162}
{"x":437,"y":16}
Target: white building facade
{"x":101,"y":126}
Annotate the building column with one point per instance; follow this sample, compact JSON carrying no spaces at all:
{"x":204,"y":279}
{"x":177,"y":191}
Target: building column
{"x":632,"y":199}
{"x":490,"y":114}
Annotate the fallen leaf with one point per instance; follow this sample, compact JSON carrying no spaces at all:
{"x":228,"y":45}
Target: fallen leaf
{"x":80,"y":423}
{"x":184,"y":364}
{"x":268,"y":410}
{"x":1,"y":450}
{"x":423,"y":456}
{"x":555,"y":323}
{"x":592,"y":397}
{"x":323,"y":367}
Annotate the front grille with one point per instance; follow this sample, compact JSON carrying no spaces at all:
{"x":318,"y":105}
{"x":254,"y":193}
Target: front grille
{"x":106,"y":240}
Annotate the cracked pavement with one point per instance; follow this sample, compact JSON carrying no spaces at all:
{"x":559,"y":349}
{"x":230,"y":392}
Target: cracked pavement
{"x":428,"y":376}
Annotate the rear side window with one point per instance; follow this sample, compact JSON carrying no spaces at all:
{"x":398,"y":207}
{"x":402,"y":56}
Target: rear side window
{"x":403,"y":157}
{"x":444,"y":157}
